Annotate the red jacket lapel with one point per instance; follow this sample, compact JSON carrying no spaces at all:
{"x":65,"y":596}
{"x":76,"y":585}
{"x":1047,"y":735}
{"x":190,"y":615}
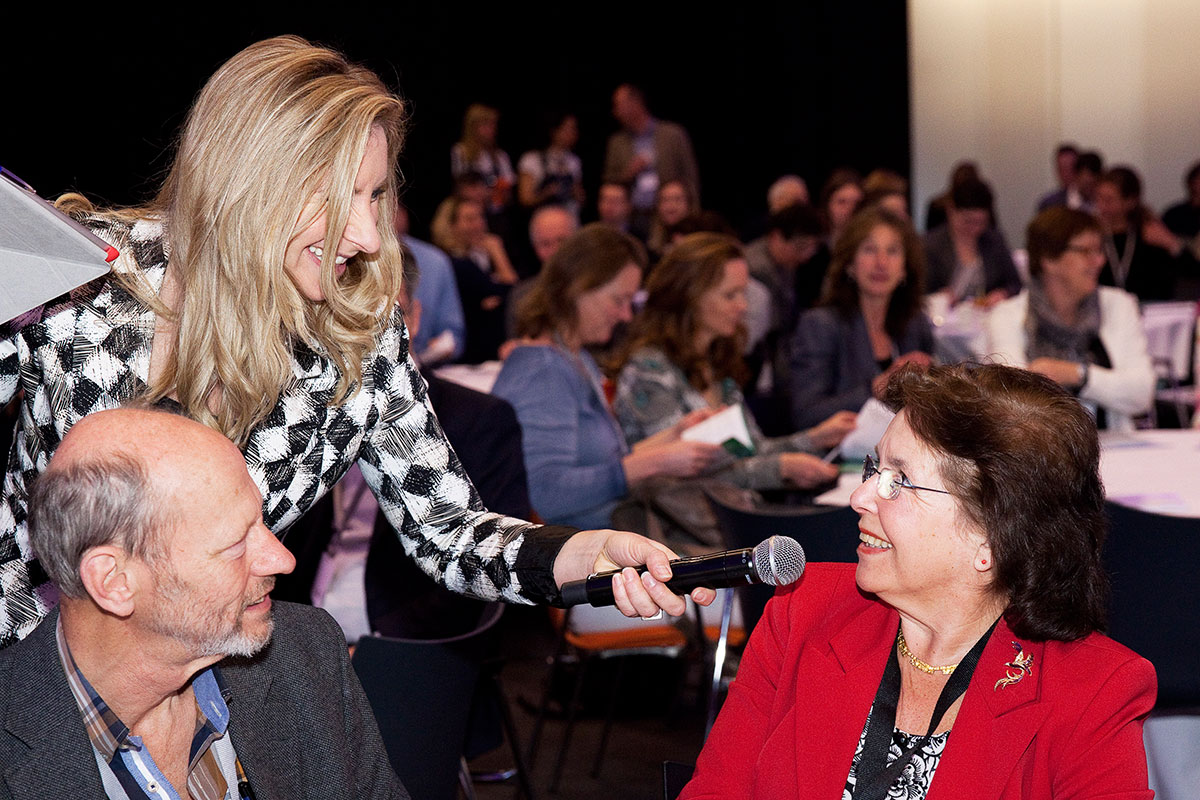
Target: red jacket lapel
{"x":845,"y":678}
{"x":999,"y":718}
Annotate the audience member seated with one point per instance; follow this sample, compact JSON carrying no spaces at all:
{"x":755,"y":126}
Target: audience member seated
{"x":869,"y":322}
{"x":477,"y":152}
{"x":554,"y":175}
{"x":167,"y":671}
{"x":887,"y":189}
{"x":1066,"y":156}
{"x":470,"y":185}
{"x":578,"y":463}
{"x":841,"y":196}
{"x":785,"y":191}
{"x":935,"y":210}
{"x":483,"y":272}
{"x":549,"y":227}
{"x":685,"y":356}
{"x":442,"y":336}
{"x":1134,"y":242}
{"x":790,"y":261}
{"x":1086,"y":337}
{"x":646,"y":154}
{"x":1183,"y":218}
{"x":967,"y":258}
{"x":671,"y":206}
{"x":1081,"y":193}
{"x":963,"y":650}
{"x":613,"y":207}
{"x":758,"y":297}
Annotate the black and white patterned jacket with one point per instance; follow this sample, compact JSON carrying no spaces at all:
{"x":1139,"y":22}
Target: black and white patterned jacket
{"x":90,"y":350}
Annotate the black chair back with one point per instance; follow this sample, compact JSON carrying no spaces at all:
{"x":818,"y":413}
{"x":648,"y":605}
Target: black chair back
{"x":421,"y":690}
{"x":675,"y":777}
{"x":1152,"y":560}
{"x":827,"y":533}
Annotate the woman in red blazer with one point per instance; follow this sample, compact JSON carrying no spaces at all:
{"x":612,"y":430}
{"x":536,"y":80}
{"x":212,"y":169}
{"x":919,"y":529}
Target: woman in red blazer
{"x":960,"y":656}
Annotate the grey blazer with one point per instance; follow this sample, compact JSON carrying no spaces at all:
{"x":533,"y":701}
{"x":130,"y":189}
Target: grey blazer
{"x":298,"y":717}
{"x":833,"y":364}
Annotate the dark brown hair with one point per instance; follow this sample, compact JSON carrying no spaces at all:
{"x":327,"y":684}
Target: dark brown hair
{"x":1129,"y":186}
{"x":589,"y":259}
{"x":669,"y":319}
{"x":837,"y":179}
{"x":972,"y":193}
{"x":1022,"y":457}
{"x":1051,"y":231}
{"x":840,"y":290}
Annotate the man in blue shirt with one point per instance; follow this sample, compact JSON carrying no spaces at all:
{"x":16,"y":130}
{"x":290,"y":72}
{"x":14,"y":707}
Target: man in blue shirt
{"x":166,"y":673}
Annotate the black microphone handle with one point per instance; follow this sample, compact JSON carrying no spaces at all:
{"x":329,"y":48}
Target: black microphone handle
{"x":714,"y":571}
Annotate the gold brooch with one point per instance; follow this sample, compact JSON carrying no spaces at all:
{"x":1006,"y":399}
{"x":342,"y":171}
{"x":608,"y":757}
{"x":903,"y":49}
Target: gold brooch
{"x":1018,"y":668}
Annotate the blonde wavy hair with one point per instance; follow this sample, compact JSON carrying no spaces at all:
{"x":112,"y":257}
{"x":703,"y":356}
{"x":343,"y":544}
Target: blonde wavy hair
{"x":476,"y":114}
{"x":280,"y":123}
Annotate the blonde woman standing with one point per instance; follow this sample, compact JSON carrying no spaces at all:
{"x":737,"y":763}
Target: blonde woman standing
{"x":257,"y":292}
{"x":477,"y":151}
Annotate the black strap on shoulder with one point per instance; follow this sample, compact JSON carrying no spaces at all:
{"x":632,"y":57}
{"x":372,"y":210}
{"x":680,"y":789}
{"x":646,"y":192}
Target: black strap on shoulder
{"x":874,"y":775}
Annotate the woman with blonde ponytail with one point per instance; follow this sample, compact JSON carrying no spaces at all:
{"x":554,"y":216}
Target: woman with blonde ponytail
{"x":258,"y":292}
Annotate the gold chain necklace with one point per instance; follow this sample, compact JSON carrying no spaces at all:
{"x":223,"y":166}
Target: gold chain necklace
{"x":924,"y":666}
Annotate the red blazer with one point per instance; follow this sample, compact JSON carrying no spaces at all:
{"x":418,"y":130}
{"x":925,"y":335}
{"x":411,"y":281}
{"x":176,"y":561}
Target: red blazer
{"x":1070,"y":729}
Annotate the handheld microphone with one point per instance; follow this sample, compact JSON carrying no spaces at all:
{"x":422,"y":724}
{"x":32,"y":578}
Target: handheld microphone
{"x":776,"y":561}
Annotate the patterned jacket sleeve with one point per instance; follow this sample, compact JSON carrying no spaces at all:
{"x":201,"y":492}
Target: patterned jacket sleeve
{"x":10,"y":367}
{"x":426,"y":495}
{"x":10,"y":353}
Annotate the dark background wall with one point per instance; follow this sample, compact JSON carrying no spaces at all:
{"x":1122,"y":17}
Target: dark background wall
{"x":92,"y":104}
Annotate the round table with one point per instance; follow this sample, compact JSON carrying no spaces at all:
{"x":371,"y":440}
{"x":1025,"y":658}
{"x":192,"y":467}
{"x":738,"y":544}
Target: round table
{"x":1157,"y":471}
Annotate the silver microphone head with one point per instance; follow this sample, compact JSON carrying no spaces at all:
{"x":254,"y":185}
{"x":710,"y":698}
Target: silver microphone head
{"x":779,"y":561}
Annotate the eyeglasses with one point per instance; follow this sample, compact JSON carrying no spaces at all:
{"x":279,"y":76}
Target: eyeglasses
{"x":890,"y":481}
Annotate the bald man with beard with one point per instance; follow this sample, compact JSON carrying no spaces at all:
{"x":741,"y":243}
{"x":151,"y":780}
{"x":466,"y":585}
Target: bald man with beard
{"x":167,"y":671}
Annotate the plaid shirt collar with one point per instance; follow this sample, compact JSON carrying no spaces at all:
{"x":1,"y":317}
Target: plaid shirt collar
{"x":110,"y":736}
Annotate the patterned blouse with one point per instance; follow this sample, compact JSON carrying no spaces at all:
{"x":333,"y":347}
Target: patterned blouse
{"x":653,"y":394}
{"x":90,"y":350}
{"x":913,"y":782}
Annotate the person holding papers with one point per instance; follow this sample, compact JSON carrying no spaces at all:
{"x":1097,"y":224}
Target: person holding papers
{"x":684,"y":356}
{"x":578,"y":462}
{"x":1087,"y":337}
{"x":869,"y":320}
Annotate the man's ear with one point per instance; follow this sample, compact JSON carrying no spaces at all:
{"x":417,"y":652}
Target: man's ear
{"x":111,"y":579}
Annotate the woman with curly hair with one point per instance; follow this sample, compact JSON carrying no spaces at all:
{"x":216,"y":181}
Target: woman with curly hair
{"x":868,"y":323}
{"x":684,"y":355}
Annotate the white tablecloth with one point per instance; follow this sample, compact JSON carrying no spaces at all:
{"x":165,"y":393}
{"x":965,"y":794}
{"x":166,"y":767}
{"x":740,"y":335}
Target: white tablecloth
{"x":1155,"y":471}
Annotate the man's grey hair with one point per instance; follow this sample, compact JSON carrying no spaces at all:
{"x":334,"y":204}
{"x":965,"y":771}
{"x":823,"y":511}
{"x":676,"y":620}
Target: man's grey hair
{"x":100,"y":499}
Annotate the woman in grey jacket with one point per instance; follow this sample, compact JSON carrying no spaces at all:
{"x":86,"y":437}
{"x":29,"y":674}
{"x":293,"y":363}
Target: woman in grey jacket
{"x":869,"y":321}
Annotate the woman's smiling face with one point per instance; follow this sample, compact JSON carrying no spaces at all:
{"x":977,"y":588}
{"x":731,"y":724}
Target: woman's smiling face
{"x":307,"y":249}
